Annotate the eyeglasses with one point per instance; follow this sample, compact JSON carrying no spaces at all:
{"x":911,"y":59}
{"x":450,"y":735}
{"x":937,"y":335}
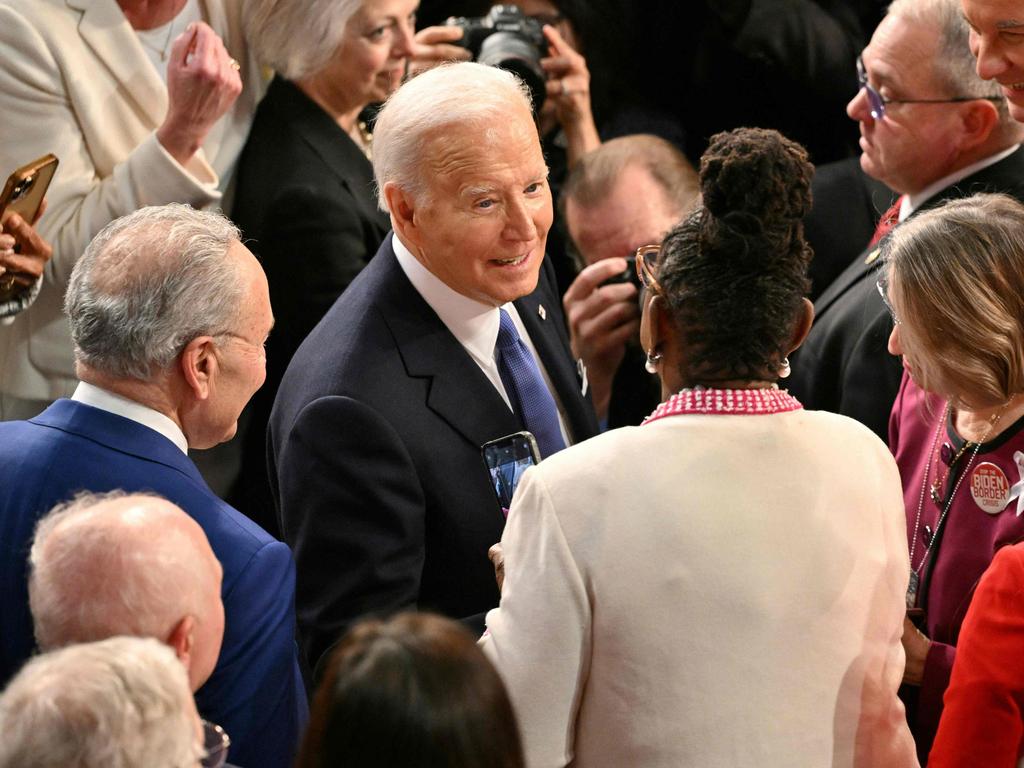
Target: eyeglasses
{"x":883,"y":291}
{"x":877,"y":101}
{"x":647,"y":265}
{"x":215,"y":743}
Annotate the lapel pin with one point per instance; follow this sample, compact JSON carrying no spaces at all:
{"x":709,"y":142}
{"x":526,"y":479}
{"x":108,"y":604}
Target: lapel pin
{"x":542,"y":312}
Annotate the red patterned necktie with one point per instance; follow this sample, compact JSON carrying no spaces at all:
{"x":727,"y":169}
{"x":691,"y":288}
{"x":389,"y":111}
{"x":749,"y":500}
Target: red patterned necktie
{"x":889,"y":220}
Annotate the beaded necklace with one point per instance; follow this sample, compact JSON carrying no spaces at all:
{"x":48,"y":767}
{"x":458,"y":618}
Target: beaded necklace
{"x":915,"y":573}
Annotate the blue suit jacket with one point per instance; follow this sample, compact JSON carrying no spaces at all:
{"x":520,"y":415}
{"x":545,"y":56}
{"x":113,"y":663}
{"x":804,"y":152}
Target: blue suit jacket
{"x":256,"y":691}
{"x":375,"y":454}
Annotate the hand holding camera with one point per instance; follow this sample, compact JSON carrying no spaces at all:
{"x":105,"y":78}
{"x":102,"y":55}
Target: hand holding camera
{"x":603,"y":317}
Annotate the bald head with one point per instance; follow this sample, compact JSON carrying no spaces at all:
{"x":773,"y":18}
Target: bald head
{"x":116,"y":564}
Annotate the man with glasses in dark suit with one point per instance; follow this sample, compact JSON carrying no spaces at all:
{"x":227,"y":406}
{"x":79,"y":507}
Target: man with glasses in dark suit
{"x":931,"y":130}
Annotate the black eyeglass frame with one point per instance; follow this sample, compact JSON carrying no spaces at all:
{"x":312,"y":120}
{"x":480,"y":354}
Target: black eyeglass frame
{"x":877,"y":101}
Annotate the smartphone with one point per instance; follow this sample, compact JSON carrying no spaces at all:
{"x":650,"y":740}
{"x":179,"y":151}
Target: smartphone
{"x":506,"y":459}
{"x":25,"y":188}
{"x":629,"y":275}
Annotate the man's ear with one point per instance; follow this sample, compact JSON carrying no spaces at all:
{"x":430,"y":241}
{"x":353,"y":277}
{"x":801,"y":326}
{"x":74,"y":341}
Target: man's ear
{"x":979,"y":119}
{"x":403,"y":208}
{"x":802,"y":327}
{"x":182,"y":639}
{"x":199,"y":366}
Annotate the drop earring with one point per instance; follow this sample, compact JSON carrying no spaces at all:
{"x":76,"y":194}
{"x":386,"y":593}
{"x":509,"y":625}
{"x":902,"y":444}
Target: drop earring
{"x":784,"y":369}
{"x":653,"y":358}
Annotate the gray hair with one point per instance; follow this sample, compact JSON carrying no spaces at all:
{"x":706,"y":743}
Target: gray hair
{"x":954,"y":64}
{"x":95,"y":573}
{"x":119,"y":703}
{"x":460,"y":93}
{"x":148,"y":284}
{"x":595,"y":175}
{"x":272,"y":28}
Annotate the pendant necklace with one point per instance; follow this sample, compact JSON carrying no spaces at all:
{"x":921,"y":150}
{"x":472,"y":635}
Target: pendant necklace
{"x":915,"y":573}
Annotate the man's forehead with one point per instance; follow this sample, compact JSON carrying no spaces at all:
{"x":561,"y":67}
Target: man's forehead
{"x":1000,"y":15}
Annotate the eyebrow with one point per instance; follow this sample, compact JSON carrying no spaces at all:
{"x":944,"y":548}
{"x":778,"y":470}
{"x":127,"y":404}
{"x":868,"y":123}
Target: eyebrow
{"x":1009,"y":24}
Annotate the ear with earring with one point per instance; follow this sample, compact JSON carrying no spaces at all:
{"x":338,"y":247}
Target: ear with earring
{"x":653,"y":358}
{"x":784,"y":369}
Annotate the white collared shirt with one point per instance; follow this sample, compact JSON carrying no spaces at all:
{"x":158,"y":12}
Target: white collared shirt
{"x":473,"y":323}
{"x":90,"y":394}
{"x":912,"y":202}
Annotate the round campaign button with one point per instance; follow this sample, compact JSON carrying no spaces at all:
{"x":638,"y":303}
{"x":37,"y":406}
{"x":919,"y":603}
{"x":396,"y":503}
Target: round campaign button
{"x":990,"y":488}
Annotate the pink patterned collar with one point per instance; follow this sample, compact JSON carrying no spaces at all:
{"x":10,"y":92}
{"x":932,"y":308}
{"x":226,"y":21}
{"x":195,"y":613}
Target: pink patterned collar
{"x":730,"y":402}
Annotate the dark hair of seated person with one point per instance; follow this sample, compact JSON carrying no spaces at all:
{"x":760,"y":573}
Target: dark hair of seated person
{"x":734,"y":272}
{"x":414,"y":690}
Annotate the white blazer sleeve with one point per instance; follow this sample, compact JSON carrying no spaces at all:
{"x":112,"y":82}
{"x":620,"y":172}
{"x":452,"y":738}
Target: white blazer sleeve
{"x":539,"y":637}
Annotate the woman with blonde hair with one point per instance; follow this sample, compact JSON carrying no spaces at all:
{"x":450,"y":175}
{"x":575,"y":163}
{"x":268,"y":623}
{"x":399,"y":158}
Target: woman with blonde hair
{"x":954,"y":282}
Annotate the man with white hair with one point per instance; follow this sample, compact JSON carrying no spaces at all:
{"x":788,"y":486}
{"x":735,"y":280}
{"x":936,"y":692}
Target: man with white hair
{"x":931,"y":130}
{"x":123,"y":701}
{"x":113,"y":564}
{"x":169,"y":313}
{"x":452,"y":336}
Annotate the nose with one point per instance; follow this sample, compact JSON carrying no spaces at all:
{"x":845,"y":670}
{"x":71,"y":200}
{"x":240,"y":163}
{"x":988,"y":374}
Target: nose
{"x":990,"y":62}
{"x":404,"y":40}
{"x":859,"y":109}
{"x":894,"y":346}
{"x":519,"y":222}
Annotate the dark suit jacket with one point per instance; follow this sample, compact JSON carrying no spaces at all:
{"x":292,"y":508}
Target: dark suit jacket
{"x":307,"y":205}
{"x":255,"y":691}
{"x":376,"y":463}
{"x":844,"y":366}
{"x":846,"y":207}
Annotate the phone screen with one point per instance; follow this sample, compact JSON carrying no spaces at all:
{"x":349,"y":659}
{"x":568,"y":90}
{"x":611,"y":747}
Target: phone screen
{"x":507,"y":458}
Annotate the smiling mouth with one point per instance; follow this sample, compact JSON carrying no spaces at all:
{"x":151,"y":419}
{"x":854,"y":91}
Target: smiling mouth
{"x":511,"y":262}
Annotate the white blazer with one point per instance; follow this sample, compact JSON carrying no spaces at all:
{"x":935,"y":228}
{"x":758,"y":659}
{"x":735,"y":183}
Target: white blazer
{"x":708,"y":590}
{"x":75,"y":81}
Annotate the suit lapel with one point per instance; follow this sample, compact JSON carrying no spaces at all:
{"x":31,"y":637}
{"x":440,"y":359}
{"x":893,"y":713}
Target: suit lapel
{"x":540,"y":317}
{"x":459,"y":391}
{"x":104,"y":28}
{"x":330,"y":143}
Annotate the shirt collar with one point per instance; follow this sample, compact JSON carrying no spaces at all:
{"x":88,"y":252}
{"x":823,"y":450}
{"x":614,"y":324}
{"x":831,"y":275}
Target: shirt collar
{"x":912,"y":202}
{"x":89,"y":394}
{"x":473,"y":323}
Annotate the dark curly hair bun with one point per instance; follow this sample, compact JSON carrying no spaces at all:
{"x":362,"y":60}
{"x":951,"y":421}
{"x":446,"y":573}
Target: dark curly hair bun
{"x":734,"y":272}
{"x":754,"y":181}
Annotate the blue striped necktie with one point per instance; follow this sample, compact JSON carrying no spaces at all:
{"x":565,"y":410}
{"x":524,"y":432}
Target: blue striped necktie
{"x":525,"y":386}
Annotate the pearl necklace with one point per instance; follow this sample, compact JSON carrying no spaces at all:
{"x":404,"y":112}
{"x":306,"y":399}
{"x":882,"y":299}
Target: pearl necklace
{"x":734,"y":402}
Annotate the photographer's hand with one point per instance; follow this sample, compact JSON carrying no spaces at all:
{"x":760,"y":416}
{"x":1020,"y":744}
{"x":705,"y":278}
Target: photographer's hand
{"x":19,"y":270}
{"x":602,"y":318}
{"x":568,"y":88}
{"x":433,"y":46}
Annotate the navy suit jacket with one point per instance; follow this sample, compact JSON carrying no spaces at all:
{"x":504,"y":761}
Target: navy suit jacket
{"x":375,"y":454}
{"x":255,"y":691}
{"x":844,"y":365}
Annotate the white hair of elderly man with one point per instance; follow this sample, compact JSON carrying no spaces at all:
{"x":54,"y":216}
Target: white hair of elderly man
{"x":123,"y":702}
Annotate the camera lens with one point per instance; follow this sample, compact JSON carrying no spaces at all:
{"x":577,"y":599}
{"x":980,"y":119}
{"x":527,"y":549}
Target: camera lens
{"x":512,"y":52}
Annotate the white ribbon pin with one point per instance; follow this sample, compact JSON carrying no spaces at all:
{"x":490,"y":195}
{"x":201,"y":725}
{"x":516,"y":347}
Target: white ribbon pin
{"x":1017,"y":489}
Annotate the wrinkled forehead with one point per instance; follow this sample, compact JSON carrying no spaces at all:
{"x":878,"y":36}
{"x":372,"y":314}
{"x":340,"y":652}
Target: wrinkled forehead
{"x":499,"y":141}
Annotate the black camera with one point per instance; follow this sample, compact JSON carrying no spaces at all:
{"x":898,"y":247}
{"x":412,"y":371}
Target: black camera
{"x":507,"y":39}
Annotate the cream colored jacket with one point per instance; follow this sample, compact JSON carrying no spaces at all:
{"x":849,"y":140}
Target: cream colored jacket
{"x":718,"y":591}
{"x":75,"y":81}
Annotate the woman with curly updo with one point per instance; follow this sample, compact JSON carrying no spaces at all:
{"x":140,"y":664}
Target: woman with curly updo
{"x":724,"y":584}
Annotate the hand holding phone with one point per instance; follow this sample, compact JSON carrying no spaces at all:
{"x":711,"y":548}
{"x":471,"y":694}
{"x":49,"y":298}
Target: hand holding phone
{"x":25,"y":189}
{"x":507,"y":458}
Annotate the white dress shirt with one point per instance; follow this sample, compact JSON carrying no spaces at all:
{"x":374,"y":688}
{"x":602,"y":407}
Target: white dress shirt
{"x":122,"y":406}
